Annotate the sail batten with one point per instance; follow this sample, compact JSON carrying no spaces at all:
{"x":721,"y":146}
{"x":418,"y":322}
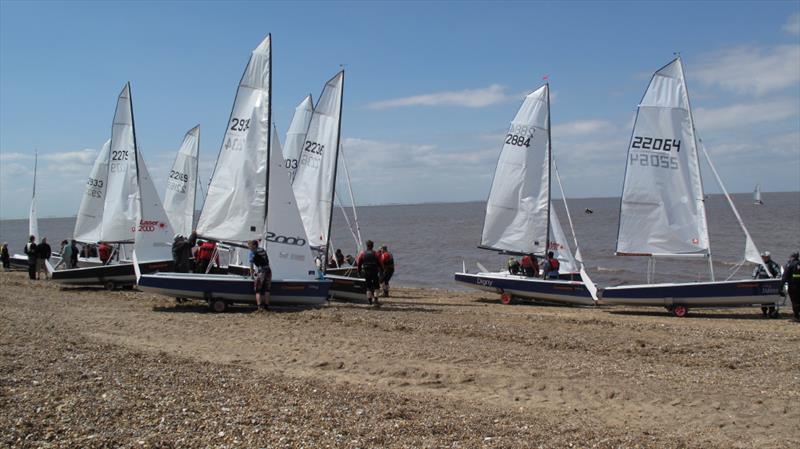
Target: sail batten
{"x":662,"y":208}
{"x":235,"y":205}
{"x":517,"y":211}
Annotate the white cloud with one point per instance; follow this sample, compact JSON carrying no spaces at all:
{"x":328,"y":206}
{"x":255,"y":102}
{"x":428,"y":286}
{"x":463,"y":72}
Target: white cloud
{"x":751,"y":70}
{"x":471,"y":98}
{"x":85,"y":156}
{"x":744,"y":114}
{"x":13,"y":156}
{"x":792,"y":25}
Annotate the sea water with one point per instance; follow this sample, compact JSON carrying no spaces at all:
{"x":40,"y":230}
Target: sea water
{"x":430,"y":241}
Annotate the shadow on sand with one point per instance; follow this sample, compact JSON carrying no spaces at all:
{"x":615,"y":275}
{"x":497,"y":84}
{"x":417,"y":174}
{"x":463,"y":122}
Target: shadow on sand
{"x":702,"y":314}
{"x":198,"y":307}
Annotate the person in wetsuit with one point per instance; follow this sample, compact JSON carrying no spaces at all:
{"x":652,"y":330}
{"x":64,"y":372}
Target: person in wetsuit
{"x":773,"y":270}
{"x":387,"y":263}
{"x":791,"y":276}
{"x":369,"y":265}
{"x":261,"y":273}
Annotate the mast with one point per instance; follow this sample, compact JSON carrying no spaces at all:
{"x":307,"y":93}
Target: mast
{"x":333,"y":180}
{"x":697,"y":160}
{"x":269,"y":134}
{"x":196,"y":180}
{"x":135,"y":154}
{"x":549,"y":165}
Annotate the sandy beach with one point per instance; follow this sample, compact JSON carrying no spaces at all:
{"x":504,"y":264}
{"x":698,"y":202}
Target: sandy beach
{"x":432,"y":368}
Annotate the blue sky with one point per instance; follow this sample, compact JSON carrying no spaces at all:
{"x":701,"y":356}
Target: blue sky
{"x":429,"y":89}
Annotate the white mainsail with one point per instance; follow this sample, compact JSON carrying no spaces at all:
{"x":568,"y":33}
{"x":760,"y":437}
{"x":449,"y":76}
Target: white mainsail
{"x":314,"y":182}
{"x":90,"y":213}
{"x":121,"y":208}
{"x":757,"y":194}
{"x":518,"y":206}
{"x":296,"y":135}
{"x":285,"y":239}
{"x":179,"y":200}
{"x":235,"y":201}
{"x":662,"y":210}
{"x":153,"y":230}
{"x":33,"y":217}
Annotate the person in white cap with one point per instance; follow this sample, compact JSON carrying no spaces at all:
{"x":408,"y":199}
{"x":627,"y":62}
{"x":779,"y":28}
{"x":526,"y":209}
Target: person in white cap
{"x":773,"y":270}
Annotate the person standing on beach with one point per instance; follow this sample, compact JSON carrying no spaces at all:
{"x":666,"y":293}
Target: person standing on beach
{"x":791,"y":275}
{"x":368,"y":264}
{"x":773,"y":270}
{"x":30,"y":251}
{"x":261,"y":273}
{"x":5,"y":257}
{"x":74,"y":259}
{"x":387,"y":264}
{"x":43,"y":253}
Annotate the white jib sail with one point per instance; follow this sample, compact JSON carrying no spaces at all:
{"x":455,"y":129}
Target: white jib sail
{"x":181,"y":193}
{"x":154,"y":234}
{"x":757,"y":193}
{"x":662,"y":210}
{"x":90,"y":213}
{"x":559,"y":245}
{"x":33,"y":216}
{"x":287,"y":246}
{"x":121,"y":208}
{"x":518,"y":205}
{"x":235,"y":201}
{"x":296,"y":135}
{"x":316,"y":171}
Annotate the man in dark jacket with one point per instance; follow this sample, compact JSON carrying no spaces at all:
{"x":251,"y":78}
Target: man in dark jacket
{"x":74,"y":254}
{"x":369,"y":265}
{"x":182,"y":254}
{"x":43,"y":253}
{"x":791,"y":275}
{"x":30,"y":251}
{"x":772,"y":271}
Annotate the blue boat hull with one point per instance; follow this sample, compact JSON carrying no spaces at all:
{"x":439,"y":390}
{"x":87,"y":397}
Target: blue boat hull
{"x":233,"y":288}
{"x":554,"y":291}
{"x":697,"y":294}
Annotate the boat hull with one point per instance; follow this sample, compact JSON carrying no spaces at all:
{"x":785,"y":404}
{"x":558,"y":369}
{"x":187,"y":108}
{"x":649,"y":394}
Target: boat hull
{"x":553,"y":291}
{"x":347,"y":286}
{"x":697,"y":294}
{"x":116,"y":275}
{"x":234,"y":288}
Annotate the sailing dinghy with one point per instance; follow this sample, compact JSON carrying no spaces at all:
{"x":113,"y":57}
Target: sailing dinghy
{"x":662,"y":211}
{"x":314,"y":183}
{"x":237,"y":208}
{"x":111,"y":208}
{"x":21,"y":260}
{"x":520,"y":218}
{"x":757,"y":196}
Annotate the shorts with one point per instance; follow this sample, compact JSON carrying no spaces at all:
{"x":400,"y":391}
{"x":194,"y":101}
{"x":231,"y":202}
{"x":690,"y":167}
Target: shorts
{"x":387,"y":275}
{"x":263,"y":280}
{"x":372,"y":281}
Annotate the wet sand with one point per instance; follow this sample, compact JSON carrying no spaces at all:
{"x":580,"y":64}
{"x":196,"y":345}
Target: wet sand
{"x":432,"y":368}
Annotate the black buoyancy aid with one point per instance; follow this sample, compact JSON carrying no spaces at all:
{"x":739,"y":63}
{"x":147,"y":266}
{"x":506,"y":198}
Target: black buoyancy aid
{"x":370,"y":261}
{"x":260,"y":258}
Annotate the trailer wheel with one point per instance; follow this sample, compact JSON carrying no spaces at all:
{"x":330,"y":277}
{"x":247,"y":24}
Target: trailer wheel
{"x":506,"y":298}
{"x":218,"y":305}
{"x":110,"y":285}
{"x":680,"y":310}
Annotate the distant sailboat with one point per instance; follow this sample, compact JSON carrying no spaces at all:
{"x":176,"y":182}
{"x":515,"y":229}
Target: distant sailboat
{"x":21,"y":260}
{"x":757,"y":195}
{"x":520,"y":218}
{"x":662,"y":211}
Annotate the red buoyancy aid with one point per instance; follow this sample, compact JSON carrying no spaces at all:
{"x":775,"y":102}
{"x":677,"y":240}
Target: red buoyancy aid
{"x":206,"y":251}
